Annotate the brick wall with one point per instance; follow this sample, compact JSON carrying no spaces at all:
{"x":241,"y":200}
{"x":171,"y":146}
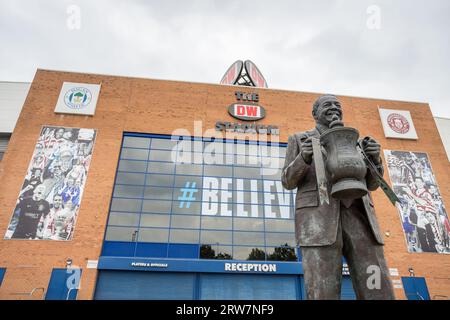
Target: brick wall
{"x":155,"y":106}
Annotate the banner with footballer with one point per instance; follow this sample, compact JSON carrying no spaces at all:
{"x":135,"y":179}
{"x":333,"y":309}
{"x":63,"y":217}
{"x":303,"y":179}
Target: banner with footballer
{"x":50,"y":197}
{"x":422,"y":211}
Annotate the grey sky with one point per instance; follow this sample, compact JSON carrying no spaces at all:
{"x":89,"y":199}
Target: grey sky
{"x":318,"y":46}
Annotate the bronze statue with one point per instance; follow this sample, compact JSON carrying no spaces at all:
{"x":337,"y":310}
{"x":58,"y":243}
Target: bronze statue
{"x":335,"y":216}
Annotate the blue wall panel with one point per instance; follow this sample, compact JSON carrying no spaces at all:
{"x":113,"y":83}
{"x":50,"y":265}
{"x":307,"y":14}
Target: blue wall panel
{"x":61,"y":282}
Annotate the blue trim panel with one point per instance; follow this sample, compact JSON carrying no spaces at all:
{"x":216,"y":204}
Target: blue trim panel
{"x":193,"y":265}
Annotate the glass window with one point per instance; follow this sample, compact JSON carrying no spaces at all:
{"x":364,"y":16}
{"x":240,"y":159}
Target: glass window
{"x":181,"y":181}
{"x":155,"y":220}
{"x":249,"y":173}
{"x":163,"y":193}
{"x":216,"y":223}
{"x":281,"y":254}
{"x":189,"y":169}
{"x":215,"y":251}
{"x":153,"y":235}
{"x":121,"y":234}
{"x":123,"y":219}
{"x":162,"y":155}
{"x":183,"y":236}
{"x":280,"y":239}
{"x":215,"y":237}
{"x":161,"y":167}
{"x":184,"y":207}
{"x":163,"y":144}
{"x":136,"y":154}
{"x":133,"y":166}
{"x":136,"y":142}
{"x":248,"y":238}
{"x":183,"y":221}
{"x":128,"y":191}
{"x":156,"y":206}
{"x":159,"y":180}
{"x":130,"y":178}
{"x":218,"y":171}
{"x":129,"y":205}
{"x":245,"y":185}
{"x":279,"y":225}
{"x":249,"y":253}
{"x":248,"y":224}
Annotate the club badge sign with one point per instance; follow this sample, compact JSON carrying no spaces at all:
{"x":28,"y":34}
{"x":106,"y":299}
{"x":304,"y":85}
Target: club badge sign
{"x":398,"y":124}
{"x":78,"y":98}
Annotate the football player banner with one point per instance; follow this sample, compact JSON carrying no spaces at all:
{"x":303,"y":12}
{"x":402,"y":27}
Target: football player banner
{"x":422,"y":211}
{"x":50,"y":197}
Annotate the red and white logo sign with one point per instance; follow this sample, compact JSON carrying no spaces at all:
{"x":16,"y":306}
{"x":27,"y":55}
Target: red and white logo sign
{"x":398,"y":123}
{"x":249,"y":112}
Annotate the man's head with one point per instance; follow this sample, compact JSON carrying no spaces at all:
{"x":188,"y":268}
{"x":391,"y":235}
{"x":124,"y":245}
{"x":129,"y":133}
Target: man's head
{"x":57,"y":201}
{"x":419,"y":182}
{"x":38,"y":193}
{"x":326,"y":109}
{"x":59,"y":133}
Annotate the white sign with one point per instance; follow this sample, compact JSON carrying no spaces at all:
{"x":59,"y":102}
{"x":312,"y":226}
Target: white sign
{"x":78,"y":98}
{"x":393,"y":271}
{"x":92,"y":264}
{"x":397,"y":124}
{"x":243,"y":267}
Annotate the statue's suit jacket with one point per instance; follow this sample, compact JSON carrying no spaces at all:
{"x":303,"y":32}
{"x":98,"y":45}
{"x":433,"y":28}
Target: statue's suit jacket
{"x":315,"y":224}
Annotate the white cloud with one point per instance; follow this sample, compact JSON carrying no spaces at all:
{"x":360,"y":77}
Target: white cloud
{"x":320,"y":46}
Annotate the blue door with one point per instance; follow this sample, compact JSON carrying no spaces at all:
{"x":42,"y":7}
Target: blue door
{"x":415,"y":288}
{"x":64,"y":284}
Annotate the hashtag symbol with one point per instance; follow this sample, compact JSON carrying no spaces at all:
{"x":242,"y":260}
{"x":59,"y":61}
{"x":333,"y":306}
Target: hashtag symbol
{"x":188,"y":194}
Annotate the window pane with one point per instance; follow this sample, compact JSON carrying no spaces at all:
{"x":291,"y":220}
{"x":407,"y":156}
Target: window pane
{"x":136,"y":154}
{"x":280,"y":239}
{"x":154,"y":220}
{"x":156,"y":206}
{"x":282,"y":254}
{"x":189,"y":169}
{"x":180,"y":181}
{"x":216,"y":223}
{"x":271,"y":174}
{"x":163,"y":144}
{"x":215,"y":237}
{"x":163,"y":193}
{"x":162,"y":155}
{"x":159,"y":180}
{"x":161,"y":167}
{"x":183,"y":236}
{"x":181,"y":207}
{"x":130,"y":178}
{"x":208,"y":251}
{"x":129,"y":205}
{"x":249,"y":253}
{"x":136,"y":142}
{"x":218,"y":171}
{"x":120,"y":234}
{"x":153,"y":235}
{"x":279,"y":225}
{"x":133,"y":166}
{"x":123,"y":219}
{"x":128,"y":191}
{"x":249,"y":173}
{"x":248,"y":238}
{"x":182,"y":221}
{"x":248,"y":224}
{"x":246,"y":185}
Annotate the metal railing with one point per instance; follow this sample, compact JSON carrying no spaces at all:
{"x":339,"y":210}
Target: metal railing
{"x":30,"y":293}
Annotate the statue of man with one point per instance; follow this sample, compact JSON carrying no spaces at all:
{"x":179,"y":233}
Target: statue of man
{"x":326,"y":232}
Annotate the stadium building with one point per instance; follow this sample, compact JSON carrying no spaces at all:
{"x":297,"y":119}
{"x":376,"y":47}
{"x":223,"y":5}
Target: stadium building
{"x":128,"y":188}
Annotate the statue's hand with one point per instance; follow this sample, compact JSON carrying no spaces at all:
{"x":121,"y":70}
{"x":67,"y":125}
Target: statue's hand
{"x":307,"y":150}
{"x":372,"y":148}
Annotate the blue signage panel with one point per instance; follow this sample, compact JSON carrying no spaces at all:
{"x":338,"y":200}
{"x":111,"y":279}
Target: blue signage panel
{"x":186,"y":265}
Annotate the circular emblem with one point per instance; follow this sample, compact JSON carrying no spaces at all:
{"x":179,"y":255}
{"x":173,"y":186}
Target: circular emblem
{"x":77,"y":98}
{"x":398,"y":123}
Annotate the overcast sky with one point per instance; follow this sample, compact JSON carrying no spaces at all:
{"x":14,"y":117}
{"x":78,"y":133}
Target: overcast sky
{"x":383,"y":49}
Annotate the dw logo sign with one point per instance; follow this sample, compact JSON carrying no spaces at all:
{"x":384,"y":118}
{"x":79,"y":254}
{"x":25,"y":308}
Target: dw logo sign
{"x":248,"y":112}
